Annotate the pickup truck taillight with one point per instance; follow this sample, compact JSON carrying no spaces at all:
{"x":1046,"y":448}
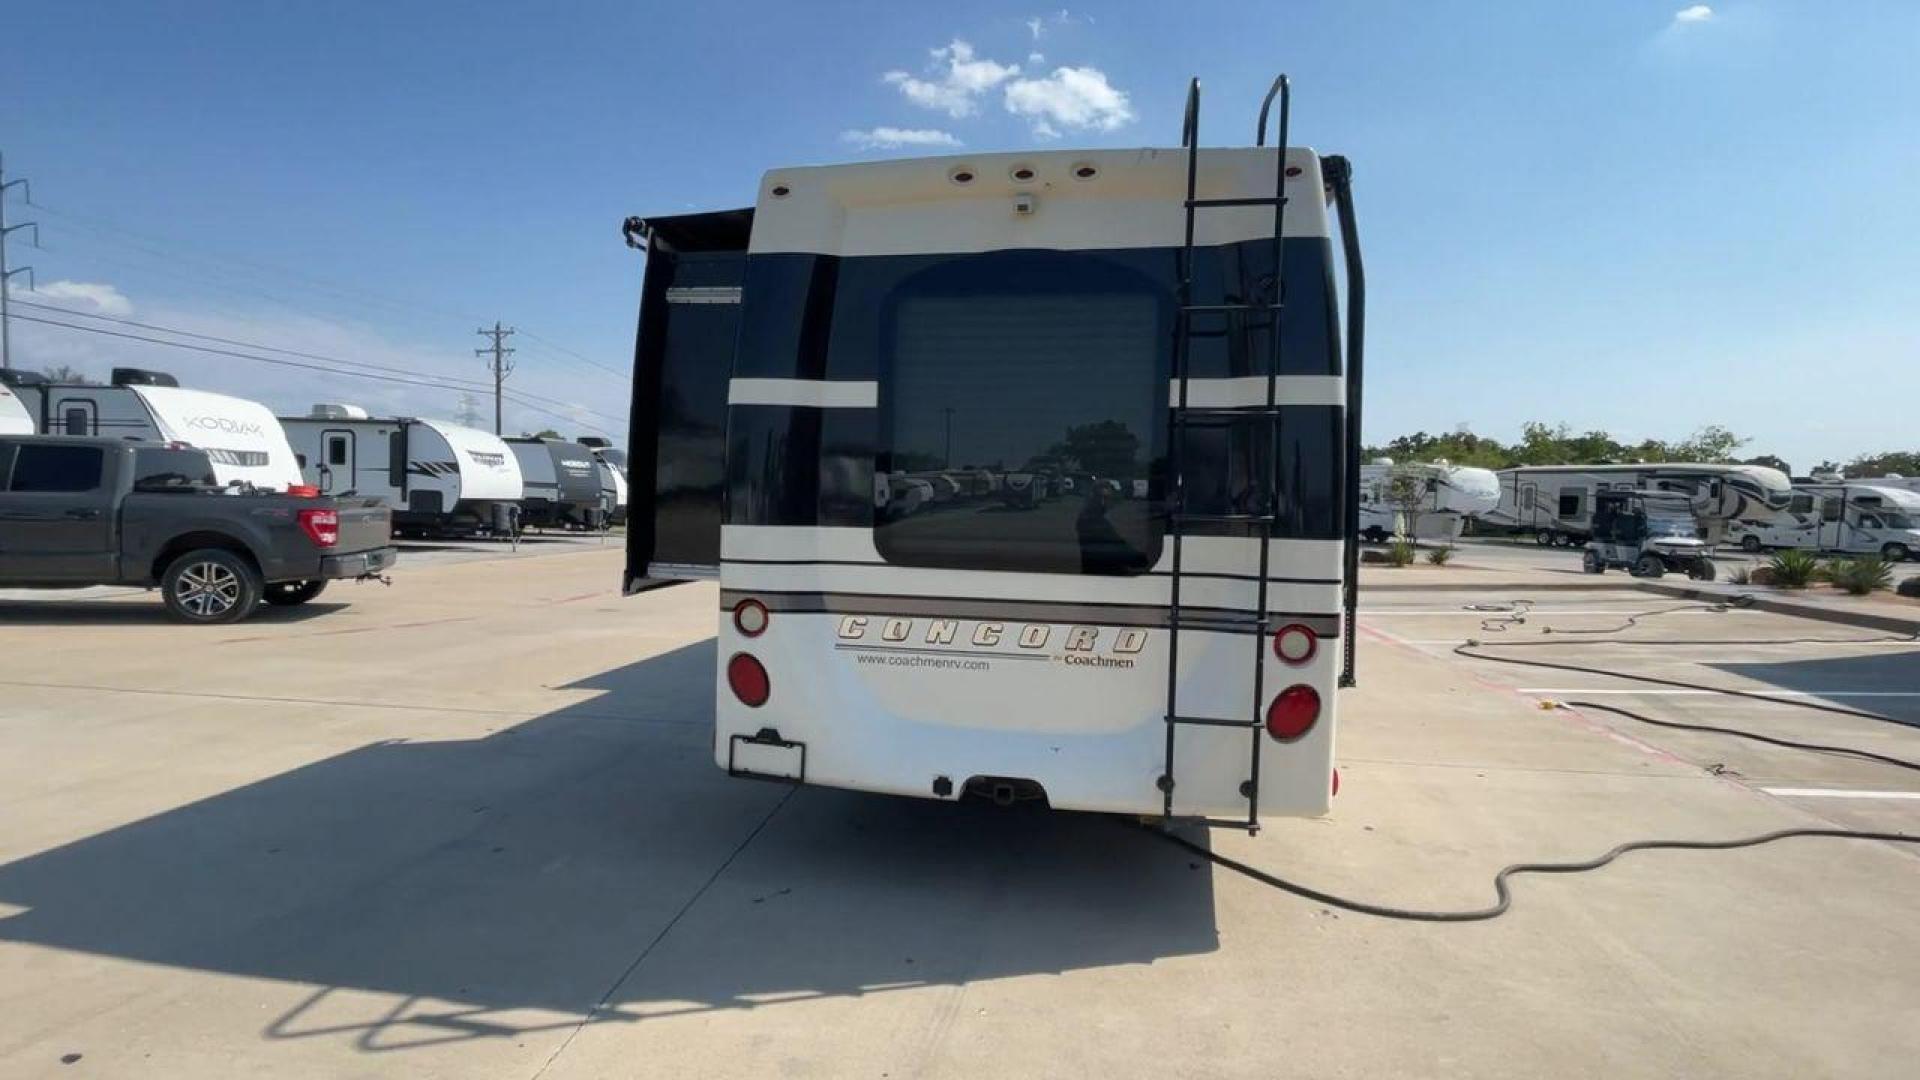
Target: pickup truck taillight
{"x":321,"y":526}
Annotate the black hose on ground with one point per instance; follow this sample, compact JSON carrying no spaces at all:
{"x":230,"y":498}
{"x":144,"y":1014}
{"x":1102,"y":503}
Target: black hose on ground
{"x":1503,"y":894}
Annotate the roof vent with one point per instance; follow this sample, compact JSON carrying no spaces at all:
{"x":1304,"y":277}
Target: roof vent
{"x":16,"y":377}
{"x":595,"y":441}
{"x":337,"y":411}
{"x":128,"y":376}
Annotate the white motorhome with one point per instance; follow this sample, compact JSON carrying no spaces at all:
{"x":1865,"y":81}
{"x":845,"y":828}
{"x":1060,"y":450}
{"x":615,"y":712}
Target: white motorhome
{"x":241,"y":437}
{"x":1555,"y":502}
{"x":1860,"y":518}
{"x":1160,"y":632}
{"x":439,"y":477}
{"x":1449,"y":494}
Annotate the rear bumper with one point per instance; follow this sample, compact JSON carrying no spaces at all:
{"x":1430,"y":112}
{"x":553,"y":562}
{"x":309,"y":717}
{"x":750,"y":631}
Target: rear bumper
{"x":360,"y":563}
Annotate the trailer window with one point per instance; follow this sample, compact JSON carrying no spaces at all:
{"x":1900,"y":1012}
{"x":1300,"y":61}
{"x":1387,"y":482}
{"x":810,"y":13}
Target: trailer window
{"x":1570,"y":502}
{"x":48,"y":468}
{"x":1022,"y":401}
{"x":1800,"y":504}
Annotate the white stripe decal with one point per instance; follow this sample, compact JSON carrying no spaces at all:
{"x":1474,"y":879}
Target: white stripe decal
{"x":816,"y":393}
{"x":1838,"y":793}
{"x":1251,"y":391}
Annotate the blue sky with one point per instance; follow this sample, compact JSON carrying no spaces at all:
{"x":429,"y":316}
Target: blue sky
{"x":1644,"y":216}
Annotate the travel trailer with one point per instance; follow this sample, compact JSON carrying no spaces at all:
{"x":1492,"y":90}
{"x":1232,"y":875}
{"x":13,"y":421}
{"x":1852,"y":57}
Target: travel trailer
{"x":1449,"y":495}
{"x":1858,"y":518}
{"x":613,"y":475}
{"x":241,"y":437}
{"x":440,"y":478}
{"x":14,"y":417}
{"x":562,"y":485}
{"x":1162,"y":632}
{"x":1555,"y":502}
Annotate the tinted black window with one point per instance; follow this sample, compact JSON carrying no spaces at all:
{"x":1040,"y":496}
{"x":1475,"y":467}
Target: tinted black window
{"x":78,"y":422}
{"x":44,"y":467}
{"x":1023,"y":398}
{"x":172,"y":468}
{"x":336,"y":449}
{"x":791,"y":465}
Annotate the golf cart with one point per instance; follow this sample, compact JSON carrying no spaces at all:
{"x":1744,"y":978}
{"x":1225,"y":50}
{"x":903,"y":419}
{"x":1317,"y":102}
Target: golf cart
{"x":1646,"y":533}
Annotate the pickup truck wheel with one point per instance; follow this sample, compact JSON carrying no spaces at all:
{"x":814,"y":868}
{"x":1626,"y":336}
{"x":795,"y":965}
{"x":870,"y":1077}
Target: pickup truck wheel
{"x":210,"y":586}
{"x":289,"y":593}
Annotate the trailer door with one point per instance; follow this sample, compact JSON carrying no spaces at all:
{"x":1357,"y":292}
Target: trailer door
{"x":336,"y":461}
{"x":682,"y":363}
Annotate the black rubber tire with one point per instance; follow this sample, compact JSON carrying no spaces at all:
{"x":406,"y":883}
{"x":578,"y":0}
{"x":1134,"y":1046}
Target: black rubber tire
{"x":210,"y":586}
{"x":291,"y":593}
{"x":1649,"y":566}
{"x":1750,"y":544}
{"x":1374,"y":534}
{"x":1896,"y":552}
{"x":1544,"y":538}
{"x":1590,"y":562}
{"x":1703,"y":570}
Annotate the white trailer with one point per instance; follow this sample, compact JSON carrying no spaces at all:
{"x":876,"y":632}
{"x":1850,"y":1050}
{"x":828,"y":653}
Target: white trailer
{"x":439,"y":477}
{"x":612,"y":462}
{"x":563,"y":485}
{"x":1449,"y":495}
{"x":242,"y":438}
{"x":1160,"y":631}
{"x":14,"y":417}
{"x":1555,"y":502}
{"x":1857,"y":518}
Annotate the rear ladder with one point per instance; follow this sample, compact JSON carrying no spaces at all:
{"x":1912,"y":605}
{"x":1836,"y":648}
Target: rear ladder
{"x":1262,"y":505}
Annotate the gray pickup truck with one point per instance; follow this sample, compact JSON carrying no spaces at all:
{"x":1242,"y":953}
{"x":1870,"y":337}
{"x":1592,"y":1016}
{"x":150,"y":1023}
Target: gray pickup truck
{"x":77,"y":512}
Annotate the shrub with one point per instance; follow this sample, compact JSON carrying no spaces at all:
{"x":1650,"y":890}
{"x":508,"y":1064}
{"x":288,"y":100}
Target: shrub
{"x":1373,"y":557}
{"x":1909,"y":587}
{"x":1399,"y":553}
{"x":1741,"y":575}
{"x":1440,"y":555}
{"x":1792,"y":569}
{"x":1860,"y":576}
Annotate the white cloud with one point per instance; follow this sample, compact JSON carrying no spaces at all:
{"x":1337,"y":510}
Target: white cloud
{"x":1036,"y":58}
{"x":94,"y":297}
{"x":1697,"y":13}
{"x":889,"y":138}
{"x":958,"y":80}
{"x":1075,"y":98}
{"x":1036,"y":26}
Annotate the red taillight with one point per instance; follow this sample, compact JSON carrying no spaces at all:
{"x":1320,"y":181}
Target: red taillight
{"x":750,"y":617}
{"x":321,"y":526}
{"x":1293,"y":713}
{"x":303,"y":491}
{"x":749,"y":680}
{"x":1295,"y":644}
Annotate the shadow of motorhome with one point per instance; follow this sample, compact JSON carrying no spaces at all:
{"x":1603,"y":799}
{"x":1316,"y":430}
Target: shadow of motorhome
{"x":538,"y":866}
{"x":1842,"y":680}
{"x":136,"y":609}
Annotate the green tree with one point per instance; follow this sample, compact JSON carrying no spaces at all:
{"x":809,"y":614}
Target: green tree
{"x":1904,"y":462}
{"x":1105,"y":448}
{"x":1770,"y":462}
{"x":63,"y":373}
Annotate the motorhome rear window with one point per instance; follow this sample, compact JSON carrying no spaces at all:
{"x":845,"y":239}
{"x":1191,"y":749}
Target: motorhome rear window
{"x":1022,"y":398}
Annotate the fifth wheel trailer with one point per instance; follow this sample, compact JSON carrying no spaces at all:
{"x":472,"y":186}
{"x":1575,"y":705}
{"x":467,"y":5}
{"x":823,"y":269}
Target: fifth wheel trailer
{"x":1448,"y":496}
{"x":241,"y":437}
{"x":1555,"y":502}
{"x":1155,"y":332}
{"x":439,"y":477}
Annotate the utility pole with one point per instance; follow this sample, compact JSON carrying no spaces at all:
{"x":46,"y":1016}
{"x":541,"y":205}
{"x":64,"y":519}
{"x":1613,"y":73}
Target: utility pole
{"x":7,"y":272}
{"x":502,"y":367}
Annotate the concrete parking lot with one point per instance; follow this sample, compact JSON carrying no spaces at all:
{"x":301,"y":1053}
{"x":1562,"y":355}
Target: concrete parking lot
{"x":468,"y":826}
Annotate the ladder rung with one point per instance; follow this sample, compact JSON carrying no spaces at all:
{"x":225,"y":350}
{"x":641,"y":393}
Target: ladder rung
{"x":1251,"y":200}
{"x":1210,"y":412}
{"x":1209,"y":622}
{"x":1201,"y":309}
{"x":1211,"y":721}
{"x":1184,"y":517}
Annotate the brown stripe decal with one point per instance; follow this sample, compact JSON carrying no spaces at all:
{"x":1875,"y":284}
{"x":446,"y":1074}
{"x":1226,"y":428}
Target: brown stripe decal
{"x":1212,"y":620}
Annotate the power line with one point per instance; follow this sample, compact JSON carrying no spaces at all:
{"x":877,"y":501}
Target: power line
{"x":477,"y":384}
{"x":288,"y":363}
{"x":117,"y":233}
